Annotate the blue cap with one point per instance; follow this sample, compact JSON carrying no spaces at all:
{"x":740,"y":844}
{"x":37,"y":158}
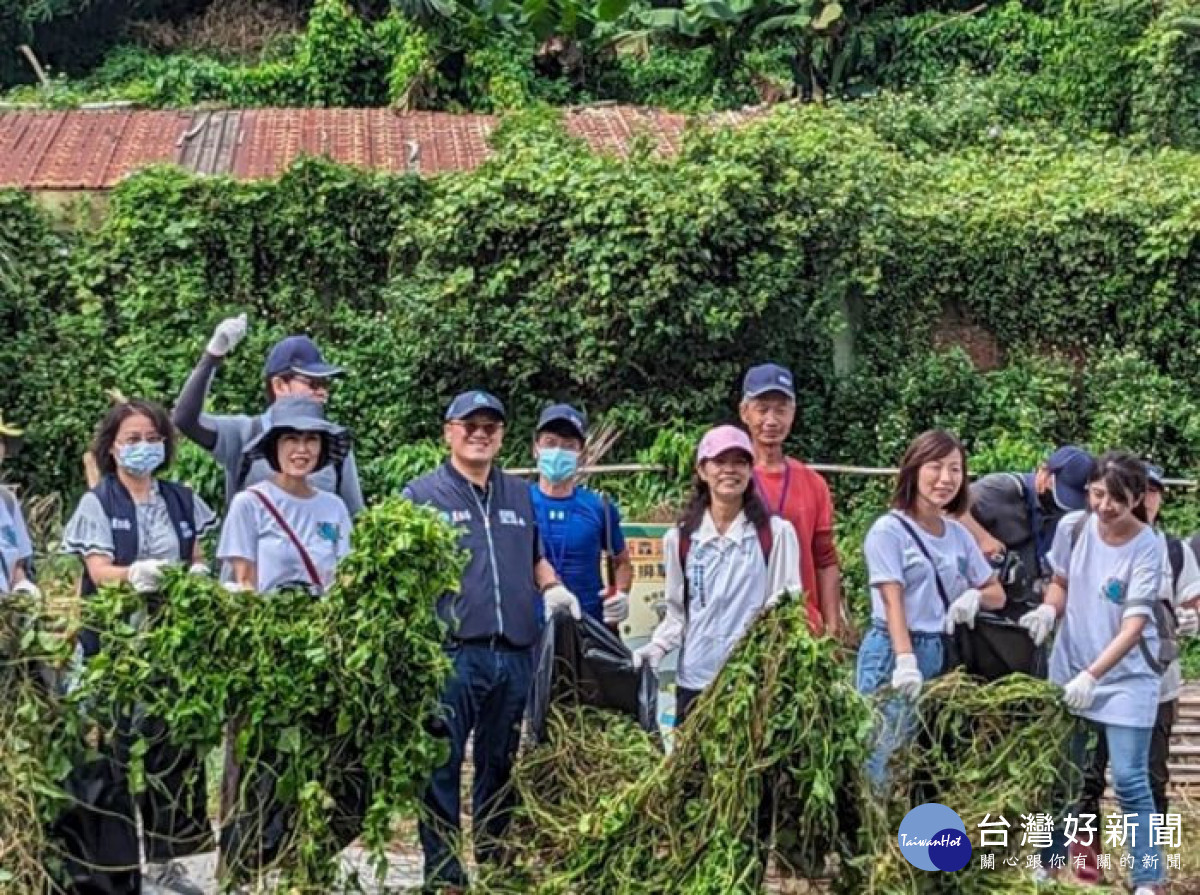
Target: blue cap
{"x":299,"y":354}
{"x":470,"y":402}
{"x":564,"y":413}
{"x":1155,"y":475}
{"x":767,"y":378}
{"x":1071,"y":467}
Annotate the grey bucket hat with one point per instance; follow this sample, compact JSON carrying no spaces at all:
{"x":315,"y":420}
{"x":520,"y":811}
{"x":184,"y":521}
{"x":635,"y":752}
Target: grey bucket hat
{"x":299,"y":414}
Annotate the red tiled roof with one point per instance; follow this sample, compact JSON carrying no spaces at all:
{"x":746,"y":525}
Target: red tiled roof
{"x":92,"y":149}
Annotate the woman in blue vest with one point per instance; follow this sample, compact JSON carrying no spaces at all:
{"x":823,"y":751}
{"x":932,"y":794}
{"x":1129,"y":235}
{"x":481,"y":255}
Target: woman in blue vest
{"x":128,"y":529}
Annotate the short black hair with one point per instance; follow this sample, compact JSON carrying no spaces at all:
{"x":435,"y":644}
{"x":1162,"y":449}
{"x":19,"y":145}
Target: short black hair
{"x":106,"y":432}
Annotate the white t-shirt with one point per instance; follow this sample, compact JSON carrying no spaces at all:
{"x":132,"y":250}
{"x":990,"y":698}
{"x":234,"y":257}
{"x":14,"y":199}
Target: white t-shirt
{"x":14,"y":538}
{"x":894,"y":558}
{"x":729,"y":583}
{"x":321,"y":522}
{"x":1106,"y":585}
{"x":1187,"y":589}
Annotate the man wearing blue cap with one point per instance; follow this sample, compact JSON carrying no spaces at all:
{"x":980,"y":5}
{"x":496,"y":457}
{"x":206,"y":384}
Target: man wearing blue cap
{"x":494,"y":620}
{"x":294,"y":368}
{"x":578,"y":527}
{"x":1013,"y":517}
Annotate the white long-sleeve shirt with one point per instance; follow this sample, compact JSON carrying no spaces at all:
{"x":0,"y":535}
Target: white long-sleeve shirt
{"x":729,"y":584}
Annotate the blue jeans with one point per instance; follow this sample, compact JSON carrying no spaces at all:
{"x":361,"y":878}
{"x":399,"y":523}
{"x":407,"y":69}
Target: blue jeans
{"x":1129,"y":759}
{"x":876,"y":662}
{"x":486,"y":694}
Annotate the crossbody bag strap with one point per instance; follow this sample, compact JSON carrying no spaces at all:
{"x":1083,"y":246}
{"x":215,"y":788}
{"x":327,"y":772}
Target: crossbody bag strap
{"x":309,"y":565}
{"x":912,"y":533}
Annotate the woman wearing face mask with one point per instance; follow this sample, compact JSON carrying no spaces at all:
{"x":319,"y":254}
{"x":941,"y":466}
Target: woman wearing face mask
{"x":578,"y":527}
{"x":16,"y":550}
{"x":926,"y":575}
{"x":294,"y":368}
{"x":128,"y":529}
{"x":726,"y":560}
{"x":1108,"y":567}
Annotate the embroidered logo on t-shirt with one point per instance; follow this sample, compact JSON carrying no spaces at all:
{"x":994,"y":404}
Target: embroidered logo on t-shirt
{"x":1113,"y":590}
{"x":329,"y":531}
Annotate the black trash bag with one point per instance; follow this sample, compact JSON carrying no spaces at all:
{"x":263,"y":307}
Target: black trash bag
{"x":97,"y":833}
{"x":998,"y":646}
{"x":584,"y":663}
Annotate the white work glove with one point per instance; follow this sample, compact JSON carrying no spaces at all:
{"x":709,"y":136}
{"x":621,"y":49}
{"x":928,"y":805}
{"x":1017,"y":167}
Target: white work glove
{"x":146,"y":575}
{"x":1039,"y":623}
{"x":907,"y":679}
{"x":963,"y":610}
{"x":1080,"y":692}
{"x":226,"y":336}
{"x":198,"y":568}
{"x":616,"y":607}
{"x":558,"y":597}
{"x":651,"y":654}
{"x":1187,"y":621}
{"x":27,"y":587}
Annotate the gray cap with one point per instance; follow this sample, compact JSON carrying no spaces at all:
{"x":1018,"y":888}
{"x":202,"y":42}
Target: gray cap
{"x":299,"y":414}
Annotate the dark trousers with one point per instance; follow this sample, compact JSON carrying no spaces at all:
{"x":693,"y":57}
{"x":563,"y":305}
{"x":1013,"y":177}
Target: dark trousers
{"x":486,"y":694}
{"x":98,"y":831}
{"x":684,"y":700}
{"x":1160,"y":751}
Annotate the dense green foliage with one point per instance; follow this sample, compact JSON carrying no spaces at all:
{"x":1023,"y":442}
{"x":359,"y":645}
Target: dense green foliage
{"x":1126,"y":67}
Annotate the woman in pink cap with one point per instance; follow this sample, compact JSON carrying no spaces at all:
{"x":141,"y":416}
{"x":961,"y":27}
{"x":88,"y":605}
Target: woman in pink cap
{"x":726,"y":560}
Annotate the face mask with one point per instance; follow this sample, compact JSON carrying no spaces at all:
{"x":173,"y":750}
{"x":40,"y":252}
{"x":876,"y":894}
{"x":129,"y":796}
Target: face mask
{"x":141,"y":459}
{"x":557,"y":464}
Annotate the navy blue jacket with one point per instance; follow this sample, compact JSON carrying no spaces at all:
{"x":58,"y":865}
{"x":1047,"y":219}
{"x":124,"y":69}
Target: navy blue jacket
{"x":498,"y":596}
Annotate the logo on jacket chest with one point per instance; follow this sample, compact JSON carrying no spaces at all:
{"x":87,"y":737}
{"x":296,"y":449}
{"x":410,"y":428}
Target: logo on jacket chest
{"x":509,"y":517}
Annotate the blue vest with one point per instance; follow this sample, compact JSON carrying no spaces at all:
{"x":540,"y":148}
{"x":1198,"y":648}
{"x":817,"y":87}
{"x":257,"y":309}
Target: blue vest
{"x":121,"y":511}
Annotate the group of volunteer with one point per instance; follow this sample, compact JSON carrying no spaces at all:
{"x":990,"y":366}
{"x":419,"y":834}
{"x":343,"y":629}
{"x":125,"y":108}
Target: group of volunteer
{"x":979,"y":575}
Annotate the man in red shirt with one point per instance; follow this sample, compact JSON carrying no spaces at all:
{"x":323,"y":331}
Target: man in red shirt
{"x":795,"y":492}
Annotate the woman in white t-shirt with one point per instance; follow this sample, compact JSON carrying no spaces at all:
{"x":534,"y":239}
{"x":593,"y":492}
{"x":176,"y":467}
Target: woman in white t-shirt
{"x":284,"y":532}
{"x":16,"y":550}
{"x":1107,"y":575}
{"x":738,"y":559}
{"x":926,"y":575}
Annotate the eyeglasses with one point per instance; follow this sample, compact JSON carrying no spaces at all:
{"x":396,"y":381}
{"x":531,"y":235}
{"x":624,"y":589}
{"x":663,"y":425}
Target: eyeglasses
{"x":138,"y":439}
{"x":316,"y":384}
{"x":488,"y":430}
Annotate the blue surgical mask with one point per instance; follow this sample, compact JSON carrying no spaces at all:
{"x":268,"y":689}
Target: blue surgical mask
{"x":557,"y":464}
{"x":141,"y":459}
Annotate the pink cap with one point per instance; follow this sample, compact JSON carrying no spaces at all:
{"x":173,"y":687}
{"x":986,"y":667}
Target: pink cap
{"x":721,"y":439}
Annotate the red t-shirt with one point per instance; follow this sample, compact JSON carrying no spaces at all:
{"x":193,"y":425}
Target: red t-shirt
{"x":801,"y":496}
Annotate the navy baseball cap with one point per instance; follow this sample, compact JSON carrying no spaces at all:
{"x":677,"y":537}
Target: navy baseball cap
{"x":1071,"y":466}
{"x":470,"y":402}
{"x":564,"y":413}
{"x":766,"y":378}
{"x":299,"y":354}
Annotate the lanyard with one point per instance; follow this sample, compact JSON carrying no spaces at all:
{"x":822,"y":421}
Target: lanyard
{"x":787,"y":486}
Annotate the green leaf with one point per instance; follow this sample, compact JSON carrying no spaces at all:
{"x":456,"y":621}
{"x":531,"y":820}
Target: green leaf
{"x":830,"y":14}
{"x":611,"y":10}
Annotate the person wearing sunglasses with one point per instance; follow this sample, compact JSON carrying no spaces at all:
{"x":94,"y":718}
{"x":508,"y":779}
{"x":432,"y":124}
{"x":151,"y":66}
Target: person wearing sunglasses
{"x":494,"y":620}
{"x":295,"y":367}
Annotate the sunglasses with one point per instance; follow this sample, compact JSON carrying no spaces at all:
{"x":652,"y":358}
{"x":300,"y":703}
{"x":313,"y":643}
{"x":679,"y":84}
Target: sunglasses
{"x":316,"y":384}
{"x":488,"y":430}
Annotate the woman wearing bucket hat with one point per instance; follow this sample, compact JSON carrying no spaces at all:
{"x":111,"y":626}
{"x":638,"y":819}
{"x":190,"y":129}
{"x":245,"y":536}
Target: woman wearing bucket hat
{"x":16,"y":550}
{"x":295,"y":367}
{"x":726,"y":560}
{"x":127,"y":529}
{"x":284,"y":531}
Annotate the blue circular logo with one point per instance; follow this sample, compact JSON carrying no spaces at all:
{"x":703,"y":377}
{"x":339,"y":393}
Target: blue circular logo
{"x":933,"y":837}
